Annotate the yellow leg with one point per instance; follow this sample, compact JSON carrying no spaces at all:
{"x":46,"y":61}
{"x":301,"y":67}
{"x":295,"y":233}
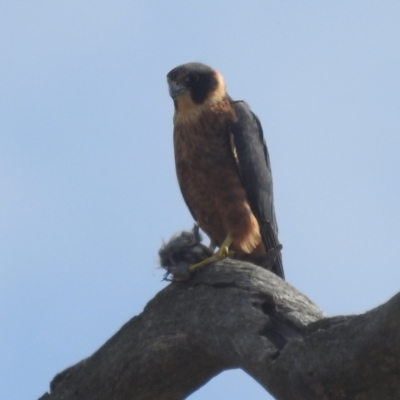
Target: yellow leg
{"x":222,"y":253}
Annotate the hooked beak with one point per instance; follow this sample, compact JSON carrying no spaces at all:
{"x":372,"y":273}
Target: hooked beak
{"x":176,"y":89}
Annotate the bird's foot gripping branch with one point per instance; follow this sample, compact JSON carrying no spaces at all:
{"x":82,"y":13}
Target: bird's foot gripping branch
{"x":185,"y":253}
{"x":222,"y":253}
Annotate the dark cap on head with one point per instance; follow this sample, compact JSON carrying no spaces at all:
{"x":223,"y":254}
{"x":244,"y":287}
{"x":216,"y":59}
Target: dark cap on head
{"x":199,"y":79}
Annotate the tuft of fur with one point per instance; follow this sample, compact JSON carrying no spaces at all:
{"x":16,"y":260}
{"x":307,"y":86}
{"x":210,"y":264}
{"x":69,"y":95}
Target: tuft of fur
{"x":181,"y":251}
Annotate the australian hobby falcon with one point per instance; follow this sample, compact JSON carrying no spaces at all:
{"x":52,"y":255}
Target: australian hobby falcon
{"x":223,"y":166}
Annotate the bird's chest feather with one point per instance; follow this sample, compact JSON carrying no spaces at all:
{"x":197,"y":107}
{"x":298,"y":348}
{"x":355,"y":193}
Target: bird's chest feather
{"x":209,"y":179}
{"x":205,"y":163}
{"x":203,"y":151}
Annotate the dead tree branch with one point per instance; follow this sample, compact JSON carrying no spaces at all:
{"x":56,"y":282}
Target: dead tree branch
{"x":237,"y":315}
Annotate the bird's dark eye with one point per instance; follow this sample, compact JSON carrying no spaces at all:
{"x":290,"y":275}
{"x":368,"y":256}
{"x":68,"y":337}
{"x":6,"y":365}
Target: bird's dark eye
{"x":192,"y":78}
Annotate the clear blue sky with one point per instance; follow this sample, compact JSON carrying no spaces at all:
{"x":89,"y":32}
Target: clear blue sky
{"x":87,"y":180}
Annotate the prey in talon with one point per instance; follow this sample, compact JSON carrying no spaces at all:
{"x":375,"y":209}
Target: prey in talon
{"x":223,"y":168}
{"x":181,"y":253}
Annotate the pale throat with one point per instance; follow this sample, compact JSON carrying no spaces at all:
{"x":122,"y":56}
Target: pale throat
{"x":189,"y":111}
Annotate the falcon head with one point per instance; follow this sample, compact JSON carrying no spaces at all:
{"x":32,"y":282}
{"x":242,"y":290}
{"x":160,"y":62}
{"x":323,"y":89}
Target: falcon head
{"x":194,"y":84}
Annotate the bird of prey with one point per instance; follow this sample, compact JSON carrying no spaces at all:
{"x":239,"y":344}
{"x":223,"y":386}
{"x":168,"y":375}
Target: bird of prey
{"x":223,"y":168}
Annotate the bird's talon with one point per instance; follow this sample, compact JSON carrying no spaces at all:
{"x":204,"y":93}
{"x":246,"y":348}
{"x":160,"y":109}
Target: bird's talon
{"x":223,"y":252}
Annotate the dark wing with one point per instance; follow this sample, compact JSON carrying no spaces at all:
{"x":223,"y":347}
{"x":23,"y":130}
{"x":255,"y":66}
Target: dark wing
{"x":255,"y":171}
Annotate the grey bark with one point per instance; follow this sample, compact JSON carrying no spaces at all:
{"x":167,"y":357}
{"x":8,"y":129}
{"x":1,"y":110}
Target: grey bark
{"x":237,"y":315}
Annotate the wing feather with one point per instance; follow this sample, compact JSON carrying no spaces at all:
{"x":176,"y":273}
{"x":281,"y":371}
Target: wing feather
{"x":251,"y":154}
